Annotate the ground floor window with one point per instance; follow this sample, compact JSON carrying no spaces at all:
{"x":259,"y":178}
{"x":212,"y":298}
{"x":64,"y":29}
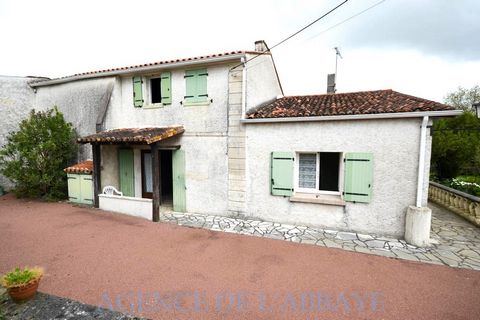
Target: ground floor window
{"x":319,"y":171}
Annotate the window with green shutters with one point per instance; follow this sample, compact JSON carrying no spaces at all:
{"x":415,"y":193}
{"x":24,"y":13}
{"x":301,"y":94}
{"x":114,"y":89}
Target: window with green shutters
{"x":320,"y":173}
{"x":166,"y":87}
{"x":358,"y":177}
{"x":160,"y":89}
{"x":281,"y":173}
{"x":137,"y":91}
{"x":196,"y":86}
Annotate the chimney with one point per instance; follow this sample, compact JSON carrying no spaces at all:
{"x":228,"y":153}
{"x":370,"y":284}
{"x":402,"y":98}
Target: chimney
{"x":331,"y":83}
{"x":260,"y":46}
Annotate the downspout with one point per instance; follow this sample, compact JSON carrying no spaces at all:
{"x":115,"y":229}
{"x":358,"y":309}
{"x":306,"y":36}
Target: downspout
{"x":421,"y":161}
{"x":244,"y":88}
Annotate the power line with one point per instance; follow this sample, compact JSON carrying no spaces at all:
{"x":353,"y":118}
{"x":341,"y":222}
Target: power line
{"x":294,"y":34}
{"x":350,"y":18}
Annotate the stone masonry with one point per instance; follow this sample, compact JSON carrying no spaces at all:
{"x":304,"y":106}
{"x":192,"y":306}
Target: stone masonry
{"x":236,"y":146}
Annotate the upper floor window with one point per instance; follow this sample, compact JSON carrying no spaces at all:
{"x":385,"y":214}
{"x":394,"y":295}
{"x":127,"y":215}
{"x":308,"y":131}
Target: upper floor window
{"x":158,"y":90}
{"x":196,"y":86}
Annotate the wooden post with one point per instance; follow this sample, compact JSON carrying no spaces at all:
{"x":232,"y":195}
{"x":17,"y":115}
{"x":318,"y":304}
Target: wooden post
{"x":96,"y":150}
{"x":157,"y":188}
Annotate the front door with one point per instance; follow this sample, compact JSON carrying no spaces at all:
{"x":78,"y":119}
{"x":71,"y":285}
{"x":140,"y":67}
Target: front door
{"x":125,"y":167}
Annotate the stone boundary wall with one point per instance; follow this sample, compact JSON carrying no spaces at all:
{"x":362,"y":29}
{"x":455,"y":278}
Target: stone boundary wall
{"x":461,"y":203}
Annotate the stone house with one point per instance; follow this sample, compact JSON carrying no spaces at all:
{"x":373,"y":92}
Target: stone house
{"x":215,"y":135}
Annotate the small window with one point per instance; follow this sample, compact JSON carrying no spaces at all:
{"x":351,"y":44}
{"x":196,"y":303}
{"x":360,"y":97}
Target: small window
{"x":319,"y":171}
{"x":156,"y":90}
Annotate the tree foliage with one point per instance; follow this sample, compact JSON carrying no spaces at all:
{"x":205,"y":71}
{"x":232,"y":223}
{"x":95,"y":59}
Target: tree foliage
{"x":456,"y":141}
{"x":35,"y":156}
{"x":464,"y":98}
{"x":456,"y":146}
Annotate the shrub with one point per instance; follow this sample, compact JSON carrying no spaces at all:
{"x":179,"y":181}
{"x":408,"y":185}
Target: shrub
{"x":35,"y":155}
{"x":456,"y":146}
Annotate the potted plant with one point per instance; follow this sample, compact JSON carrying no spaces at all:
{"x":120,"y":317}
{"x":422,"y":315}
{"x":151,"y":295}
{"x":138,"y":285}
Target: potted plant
{"x":22,"y":284}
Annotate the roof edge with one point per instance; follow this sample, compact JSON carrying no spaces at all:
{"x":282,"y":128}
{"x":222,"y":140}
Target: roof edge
{"x":127,"y":71}
{"x":392,"y":115}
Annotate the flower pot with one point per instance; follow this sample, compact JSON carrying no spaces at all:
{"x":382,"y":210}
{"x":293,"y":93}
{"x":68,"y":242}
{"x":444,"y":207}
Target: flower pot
{"x":24,"y":292}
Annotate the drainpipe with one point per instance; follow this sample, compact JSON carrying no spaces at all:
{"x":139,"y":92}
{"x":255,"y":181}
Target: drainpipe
{"x":421,"y":161}
{"x":244,"y":88}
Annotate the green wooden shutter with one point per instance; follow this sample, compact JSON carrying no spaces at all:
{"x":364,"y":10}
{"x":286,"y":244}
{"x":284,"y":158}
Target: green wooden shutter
{"x":190,"y":85}
{"x":178,"y":172}
{"x":196,"y":86}
{"x":137,"y":92}
{"x":166,"y":87}
{"x":202,"y":94}
{"x":86,"y":188}
{"x":281,"y":173}
{"x":358,"y":177}
{"x":73,"y":187}
{"x":125,"y":166}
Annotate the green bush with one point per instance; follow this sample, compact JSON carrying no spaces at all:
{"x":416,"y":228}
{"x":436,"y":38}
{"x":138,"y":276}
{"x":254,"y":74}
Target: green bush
{"x":35,"y":156}
{"x":456,"y":146}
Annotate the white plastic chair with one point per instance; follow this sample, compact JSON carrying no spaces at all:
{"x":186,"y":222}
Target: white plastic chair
{"x":111,"y":191}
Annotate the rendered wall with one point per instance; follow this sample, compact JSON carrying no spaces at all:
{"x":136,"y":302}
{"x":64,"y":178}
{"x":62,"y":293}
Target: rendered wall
{"x":79,"y":102}
{"x":16,"y":101}
{"x":395,"y":148}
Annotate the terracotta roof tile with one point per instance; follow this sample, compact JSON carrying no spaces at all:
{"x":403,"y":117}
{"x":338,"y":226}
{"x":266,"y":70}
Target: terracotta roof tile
{"x":133,"y":135}
{"x":333,"y":104}
{"x":82,"y":167}
{"x":157,"y":63}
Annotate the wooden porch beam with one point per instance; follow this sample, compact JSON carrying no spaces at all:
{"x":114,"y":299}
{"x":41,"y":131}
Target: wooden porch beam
{"x":97,"y":157}
{"x":157,"y":187}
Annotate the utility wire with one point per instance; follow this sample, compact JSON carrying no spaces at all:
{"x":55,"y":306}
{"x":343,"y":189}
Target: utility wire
{"x":343,"y":21}
{"x":293,"y":35}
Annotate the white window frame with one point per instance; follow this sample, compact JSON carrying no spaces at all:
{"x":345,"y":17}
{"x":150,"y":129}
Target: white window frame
{"x":317,"y":175}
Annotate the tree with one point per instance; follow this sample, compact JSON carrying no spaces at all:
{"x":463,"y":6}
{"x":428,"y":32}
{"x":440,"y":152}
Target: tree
{"x":463,"y":98}
{"x":456,"y":141}
{"x":456,"y":146}
{"x":35,"y":156}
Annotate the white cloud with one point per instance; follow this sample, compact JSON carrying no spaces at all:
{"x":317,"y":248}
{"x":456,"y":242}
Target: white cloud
{"x":57,"y":38}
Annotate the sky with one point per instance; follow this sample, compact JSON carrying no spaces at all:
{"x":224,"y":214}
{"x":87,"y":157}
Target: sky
{"x":425,"y":48}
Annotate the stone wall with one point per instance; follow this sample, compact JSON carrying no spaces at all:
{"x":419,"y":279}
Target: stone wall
{"x":236,"y":145}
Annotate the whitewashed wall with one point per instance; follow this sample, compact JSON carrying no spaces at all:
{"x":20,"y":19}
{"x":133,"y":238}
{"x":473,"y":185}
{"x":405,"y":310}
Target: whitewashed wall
{"x":79,"y":102}
{"x":211,"y":117}
{"x":395,"y":148}
{"x":262,"y":82}
{"x":16,"y":101}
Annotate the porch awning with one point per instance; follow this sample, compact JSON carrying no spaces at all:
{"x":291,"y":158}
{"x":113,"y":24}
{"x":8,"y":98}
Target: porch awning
{"x":133,"y":135}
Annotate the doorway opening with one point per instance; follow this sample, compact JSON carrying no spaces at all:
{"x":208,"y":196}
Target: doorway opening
{"x":166,"y":176}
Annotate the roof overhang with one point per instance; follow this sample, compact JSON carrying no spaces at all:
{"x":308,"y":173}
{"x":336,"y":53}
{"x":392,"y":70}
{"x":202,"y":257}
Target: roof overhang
{"x":144,"y":136}
{"x":141,"y":69}
{"x":398,"y":115}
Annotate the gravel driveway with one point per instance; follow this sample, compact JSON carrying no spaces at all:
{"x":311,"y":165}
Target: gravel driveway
{"x":164,"y":271}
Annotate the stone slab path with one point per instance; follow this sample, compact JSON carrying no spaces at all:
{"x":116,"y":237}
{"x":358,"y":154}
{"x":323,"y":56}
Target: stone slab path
{"x":456,"y":242}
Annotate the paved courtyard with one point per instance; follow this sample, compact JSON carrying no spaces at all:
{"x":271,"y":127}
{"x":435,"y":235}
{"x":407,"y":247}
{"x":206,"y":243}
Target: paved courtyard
{"x":167,"y":271}
{"x":456,"y":242}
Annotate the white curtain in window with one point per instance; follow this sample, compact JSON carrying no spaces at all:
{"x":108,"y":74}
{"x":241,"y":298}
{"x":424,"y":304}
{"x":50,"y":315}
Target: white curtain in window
{"x":307,"y":170}
{"x":147,"y":168}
